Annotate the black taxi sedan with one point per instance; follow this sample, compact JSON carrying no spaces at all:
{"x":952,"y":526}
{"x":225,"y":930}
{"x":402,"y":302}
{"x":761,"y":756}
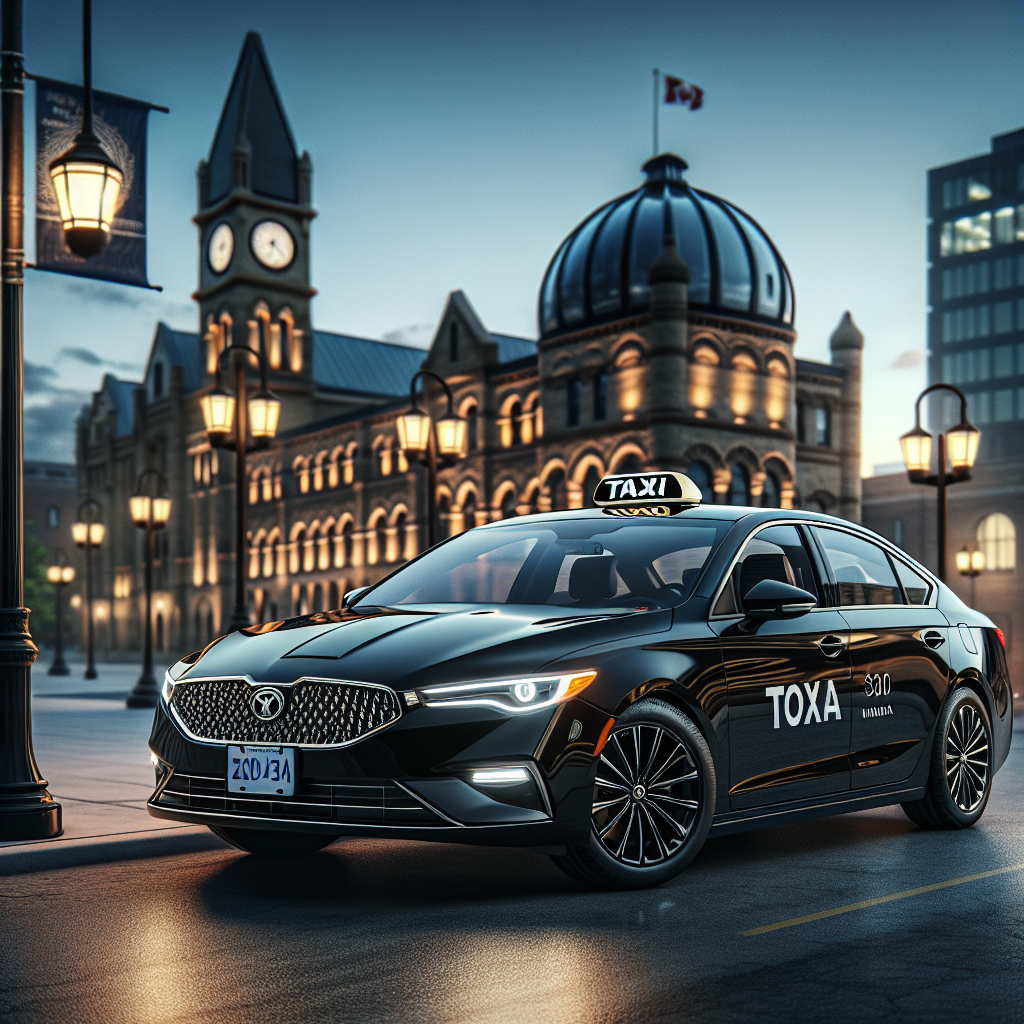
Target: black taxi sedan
{"x":607,"y":686}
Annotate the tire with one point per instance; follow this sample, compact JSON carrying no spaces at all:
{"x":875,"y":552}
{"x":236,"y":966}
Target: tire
{"x":267,"y":843}
{"x":960,"y":773}
{"x":646,"y":829}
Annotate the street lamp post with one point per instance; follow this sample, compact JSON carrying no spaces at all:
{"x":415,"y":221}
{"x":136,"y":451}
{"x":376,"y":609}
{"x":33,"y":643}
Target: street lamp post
{"x":957,"y":450}
{"x":87,"y":533}
{"x":447,"y":441}
{"x":27,"y":811}
{"x":970,"y":564}
{"x":224,"y":412}
{"x":149,"y":513}
{"x":60,"y":574}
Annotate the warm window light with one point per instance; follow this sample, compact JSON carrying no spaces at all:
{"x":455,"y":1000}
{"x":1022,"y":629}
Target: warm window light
{"x":218,"y":414}
{"x":451,"y":436}
{"x":264,"y":413}
{"x":917,"y":451}
{"x":413,"y":431}
{"x":87,"y":183}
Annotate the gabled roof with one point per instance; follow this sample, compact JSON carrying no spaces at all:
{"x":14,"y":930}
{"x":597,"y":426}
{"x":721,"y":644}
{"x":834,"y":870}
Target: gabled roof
{"x":253,"y":114}
{"x":121,"y":396}
{"x":362,"y":366}
{"x":182,"y":350}
{"x":511,"y":348}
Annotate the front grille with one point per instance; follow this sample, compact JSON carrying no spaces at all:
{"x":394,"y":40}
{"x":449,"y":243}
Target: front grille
{"x":317,"y":712}
{"x":357,"y":802}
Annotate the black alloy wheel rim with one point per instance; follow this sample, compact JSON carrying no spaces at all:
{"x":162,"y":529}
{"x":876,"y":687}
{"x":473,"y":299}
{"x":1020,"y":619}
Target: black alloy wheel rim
{"x":967,"y":772}
{"x":647,"y":795}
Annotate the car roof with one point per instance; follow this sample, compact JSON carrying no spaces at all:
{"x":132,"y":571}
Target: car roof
{"x":727,"y":513}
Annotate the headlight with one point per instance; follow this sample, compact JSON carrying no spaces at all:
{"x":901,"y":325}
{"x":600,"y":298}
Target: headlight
{"x":515,"y":695}
{"x":168,"y":688}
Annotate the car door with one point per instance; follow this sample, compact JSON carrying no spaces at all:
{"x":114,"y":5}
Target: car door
{"x":788,"y":679}
{"x":898,"y":646}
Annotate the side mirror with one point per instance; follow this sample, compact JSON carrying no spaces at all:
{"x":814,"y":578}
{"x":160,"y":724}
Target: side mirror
{"x":352,"y":596}
{"x":770,"y":597}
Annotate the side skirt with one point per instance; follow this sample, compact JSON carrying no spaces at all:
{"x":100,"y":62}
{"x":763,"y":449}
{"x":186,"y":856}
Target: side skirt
{"x":835,"y":803}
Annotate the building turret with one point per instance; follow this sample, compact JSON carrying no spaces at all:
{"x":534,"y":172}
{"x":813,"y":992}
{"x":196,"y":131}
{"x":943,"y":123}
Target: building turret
{"x":847,"y":344}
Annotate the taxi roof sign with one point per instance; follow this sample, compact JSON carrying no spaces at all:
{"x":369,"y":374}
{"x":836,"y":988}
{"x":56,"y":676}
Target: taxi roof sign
{"x":629,"y":490}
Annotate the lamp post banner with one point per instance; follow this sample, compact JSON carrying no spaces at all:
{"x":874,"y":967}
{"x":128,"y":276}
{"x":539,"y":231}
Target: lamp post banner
{"x":120,"y":123}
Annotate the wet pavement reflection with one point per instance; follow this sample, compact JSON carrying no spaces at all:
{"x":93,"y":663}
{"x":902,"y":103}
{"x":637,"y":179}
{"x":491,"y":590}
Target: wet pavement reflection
{"x":374,"y":930}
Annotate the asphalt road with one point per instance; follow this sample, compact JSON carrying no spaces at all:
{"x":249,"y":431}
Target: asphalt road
{"x":172,"y":926}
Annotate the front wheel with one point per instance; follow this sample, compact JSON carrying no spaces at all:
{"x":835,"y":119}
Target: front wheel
{"x":654,"y":800}
{"x":263,"y":842}
{"x":960,"y":776}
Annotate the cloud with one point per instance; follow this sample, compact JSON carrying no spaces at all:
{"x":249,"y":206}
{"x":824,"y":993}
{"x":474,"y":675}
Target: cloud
{"x":416,"y":335}
{"x":39,"y":380}
{"x":87,"y":356}
{"x":906,"y":360}
{"x":50,"y":428}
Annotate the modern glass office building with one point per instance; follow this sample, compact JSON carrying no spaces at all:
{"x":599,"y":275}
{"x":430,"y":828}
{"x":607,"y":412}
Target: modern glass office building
{"x":976,"y":290}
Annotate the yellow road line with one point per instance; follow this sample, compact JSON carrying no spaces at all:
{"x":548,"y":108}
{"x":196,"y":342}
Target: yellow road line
{"x":807,"y":918}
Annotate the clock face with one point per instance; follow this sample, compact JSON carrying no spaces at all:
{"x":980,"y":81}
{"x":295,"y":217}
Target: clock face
{"x":221,"y":248}
{"x":272,"y":244}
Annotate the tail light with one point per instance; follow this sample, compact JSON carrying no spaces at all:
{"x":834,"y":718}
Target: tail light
{"x":1002,"y":639}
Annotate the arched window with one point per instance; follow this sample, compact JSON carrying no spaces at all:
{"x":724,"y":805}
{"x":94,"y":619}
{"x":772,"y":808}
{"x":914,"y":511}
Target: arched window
{"x":630,"y":464}
{"x":381,"y":534}
{"x":997,"y":539}
{"x":739,"y":486}
{"x":699,"y":473}
{"x":397,"y":553}
{"x":318,"y":598}
{"x":557,"y":491}
{"x":771,"y":495}
{"x":515,"y":418}
{"x":472,"y":423}
{"x":590,"y":482}
{"x":346,"y":542}
{"x":600,"y":397}
{"x":333,"y":600}
{"x":508,"y":505}
{"x":469,"y":511}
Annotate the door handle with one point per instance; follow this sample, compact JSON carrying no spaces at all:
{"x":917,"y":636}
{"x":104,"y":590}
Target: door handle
{"x":933,"y":639}
{"x":830,"y":646}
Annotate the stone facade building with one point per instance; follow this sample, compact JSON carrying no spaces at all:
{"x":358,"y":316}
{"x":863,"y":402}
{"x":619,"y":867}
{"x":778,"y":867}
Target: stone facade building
{"x":666,"y":341}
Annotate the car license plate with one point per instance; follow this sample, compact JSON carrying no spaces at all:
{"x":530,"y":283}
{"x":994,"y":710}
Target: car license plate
{"x":254,"y":769}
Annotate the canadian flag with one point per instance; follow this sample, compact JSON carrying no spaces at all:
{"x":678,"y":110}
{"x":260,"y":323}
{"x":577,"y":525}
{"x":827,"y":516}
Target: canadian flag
{"x":683,"y":93}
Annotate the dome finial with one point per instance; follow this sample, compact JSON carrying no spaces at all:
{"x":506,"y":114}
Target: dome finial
{"x":665,"y":167}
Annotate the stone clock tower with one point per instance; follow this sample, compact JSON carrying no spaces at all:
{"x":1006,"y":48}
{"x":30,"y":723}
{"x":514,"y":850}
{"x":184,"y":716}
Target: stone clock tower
{"x":254,"y":215}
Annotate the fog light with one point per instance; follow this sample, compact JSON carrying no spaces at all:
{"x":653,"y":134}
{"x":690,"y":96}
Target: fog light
{"x":496,"y":776}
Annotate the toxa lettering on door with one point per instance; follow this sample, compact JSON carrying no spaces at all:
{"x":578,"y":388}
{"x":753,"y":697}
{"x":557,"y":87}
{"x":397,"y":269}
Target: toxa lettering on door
{"x":791,"y":701}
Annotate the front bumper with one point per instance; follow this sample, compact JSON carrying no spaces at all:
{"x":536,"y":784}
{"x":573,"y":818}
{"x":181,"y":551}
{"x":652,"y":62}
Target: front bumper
{"x":410,"y":780}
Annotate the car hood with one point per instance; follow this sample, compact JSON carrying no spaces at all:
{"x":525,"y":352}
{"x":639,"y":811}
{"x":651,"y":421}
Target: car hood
{"x":419,"y":646}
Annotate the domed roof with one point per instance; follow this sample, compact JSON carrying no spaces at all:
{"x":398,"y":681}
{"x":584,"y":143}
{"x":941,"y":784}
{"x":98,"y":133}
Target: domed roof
{"x":599,"y":272}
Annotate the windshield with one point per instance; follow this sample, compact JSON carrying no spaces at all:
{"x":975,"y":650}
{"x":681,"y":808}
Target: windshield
{"x":584,"y":563}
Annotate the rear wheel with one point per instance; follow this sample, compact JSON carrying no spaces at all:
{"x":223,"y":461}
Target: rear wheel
{"x":267,"y":843}
{"x":960,"y":776}
{"x":654,"y":799}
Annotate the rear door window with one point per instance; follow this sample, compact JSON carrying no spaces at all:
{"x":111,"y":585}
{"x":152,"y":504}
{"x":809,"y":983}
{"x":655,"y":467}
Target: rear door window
{"x":862,"y":570}
{"x":915,"y":586}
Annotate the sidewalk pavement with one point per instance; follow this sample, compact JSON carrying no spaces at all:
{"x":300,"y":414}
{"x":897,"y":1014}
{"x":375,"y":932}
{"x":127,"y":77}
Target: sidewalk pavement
{"x":93,"y":752}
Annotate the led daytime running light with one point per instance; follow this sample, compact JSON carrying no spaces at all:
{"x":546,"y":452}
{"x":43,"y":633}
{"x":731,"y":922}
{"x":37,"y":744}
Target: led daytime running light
{"x":515,"y":695}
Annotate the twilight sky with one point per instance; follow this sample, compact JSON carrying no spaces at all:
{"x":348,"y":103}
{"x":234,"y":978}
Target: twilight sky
{"x":454,"y":145}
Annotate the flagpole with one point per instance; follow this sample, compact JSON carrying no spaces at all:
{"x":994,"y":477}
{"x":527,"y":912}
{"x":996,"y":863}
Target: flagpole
{"x":655,"y":117}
